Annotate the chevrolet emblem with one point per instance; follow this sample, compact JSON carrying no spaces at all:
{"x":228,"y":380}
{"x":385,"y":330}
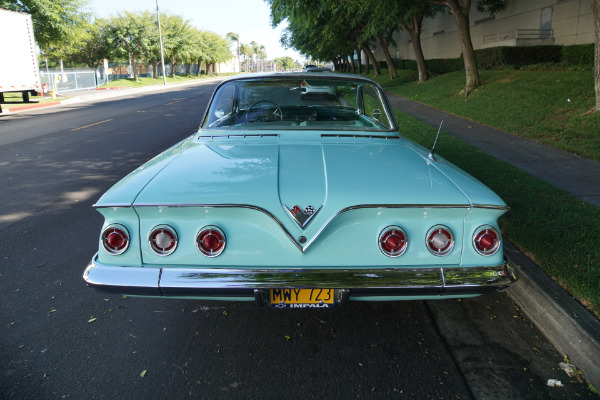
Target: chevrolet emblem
{"x":302,"y":217}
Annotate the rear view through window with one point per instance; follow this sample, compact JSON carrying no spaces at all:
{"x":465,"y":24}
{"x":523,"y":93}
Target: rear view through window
{"x":327,"y":103}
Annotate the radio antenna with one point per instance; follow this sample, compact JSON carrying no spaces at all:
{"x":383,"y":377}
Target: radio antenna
{"x":431,"y":154}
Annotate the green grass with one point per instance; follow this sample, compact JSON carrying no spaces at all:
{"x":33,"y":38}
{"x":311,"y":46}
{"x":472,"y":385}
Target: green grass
{"x":554,"y":228}
{"x":151,"y":81}
{"x":545,"y":106}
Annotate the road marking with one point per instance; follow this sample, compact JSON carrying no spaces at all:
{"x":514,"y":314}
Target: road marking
{"x":87,"y":126}
{"x":177,"y":101}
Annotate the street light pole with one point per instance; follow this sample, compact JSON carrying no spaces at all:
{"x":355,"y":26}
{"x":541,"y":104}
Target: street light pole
{"x":162,"y":57}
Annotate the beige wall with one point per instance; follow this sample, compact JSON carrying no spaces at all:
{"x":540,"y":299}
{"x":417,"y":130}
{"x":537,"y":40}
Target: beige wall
{"x":570,"y":20}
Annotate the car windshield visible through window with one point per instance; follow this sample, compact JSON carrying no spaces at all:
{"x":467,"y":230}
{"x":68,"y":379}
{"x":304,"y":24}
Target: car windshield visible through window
{"x":299,"y":102}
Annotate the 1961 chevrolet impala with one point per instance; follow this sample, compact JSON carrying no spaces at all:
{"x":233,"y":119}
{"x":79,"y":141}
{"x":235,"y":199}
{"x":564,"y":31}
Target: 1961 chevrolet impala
{"x":298,"y":191}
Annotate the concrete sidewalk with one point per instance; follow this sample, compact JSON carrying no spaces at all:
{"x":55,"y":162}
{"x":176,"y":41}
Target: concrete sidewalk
{"x":565,"y":322}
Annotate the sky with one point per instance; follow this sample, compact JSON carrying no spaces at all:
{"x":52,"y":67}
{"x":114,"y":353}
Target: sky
{"x":248,"y":18}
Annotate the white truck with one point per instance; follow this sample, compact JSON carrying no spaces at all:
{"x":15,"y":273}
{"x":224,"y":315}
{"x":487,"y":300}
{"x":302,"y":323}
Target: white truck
{"x":19,"y":70}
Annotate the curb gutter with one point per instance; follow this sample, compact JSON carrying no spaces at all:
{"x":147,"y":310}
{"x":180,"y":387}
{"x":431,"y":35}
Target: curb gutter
{"x":569,"y":326}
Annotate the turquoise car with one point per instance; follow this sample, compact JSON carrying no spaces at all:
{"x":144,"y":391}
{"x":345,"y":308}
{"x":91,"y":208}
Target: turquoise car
{"x":299,"y":191}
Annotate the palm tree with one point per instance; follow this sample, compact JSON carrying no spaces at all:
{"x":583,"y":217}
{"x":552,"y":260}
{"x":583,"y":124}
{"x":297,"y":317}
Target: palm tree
{"x":262,"y":54}
{"x":255,"y":49}
{"x":245,"y":51}
{"x":235,"y":37}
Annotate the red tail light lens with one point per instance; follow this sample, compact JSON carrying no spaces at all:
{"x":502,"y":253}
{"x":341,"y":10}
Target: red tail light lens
{"x":211,"y":241}
{"x":440,"y":240}
{"x":486,"y":240}
{"x":163,"y":240}
{"x":393,"y":241}
{"x":115,"y":239}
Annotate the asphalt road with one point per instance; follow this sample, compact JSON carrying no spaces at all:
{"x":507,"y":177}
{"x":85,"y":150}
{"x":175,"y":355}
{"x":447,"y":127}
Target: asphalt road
{"x":62,"y":340}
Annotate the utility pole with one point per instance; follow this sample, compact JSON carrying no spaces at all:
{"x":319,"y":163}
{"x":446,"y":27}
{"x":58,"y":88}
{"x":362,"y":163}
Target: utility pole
{"x":162,"y":57}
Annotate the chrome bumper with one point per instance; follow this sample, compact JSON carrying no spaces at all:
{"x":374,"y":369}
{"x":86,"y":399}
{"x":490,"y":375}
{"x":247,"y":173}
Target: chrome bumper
{"x":358,"y":282}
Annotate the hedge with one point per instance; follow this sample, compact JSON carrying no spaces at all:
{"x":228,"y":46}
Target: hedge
{"x":576,"y":56}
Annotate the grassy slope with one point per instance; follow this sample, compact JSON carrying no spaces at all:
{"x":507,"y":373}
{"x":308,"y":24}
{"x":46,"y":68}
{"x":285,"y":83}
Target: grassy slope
{"x":545,"y":106}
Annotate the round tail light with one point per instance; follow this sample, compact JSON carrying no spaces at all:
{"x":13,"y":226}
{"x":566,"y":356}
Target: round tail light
{"x":163,"y":240}
{"x":486,"y":240}
{"x":393,"y":241}
{"x":115,"y":239}
{"x":211,"y":241}
{"x":440,"y":240}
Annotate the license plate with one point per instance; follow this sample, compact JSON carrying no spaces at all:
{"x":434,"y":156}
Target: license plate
{"x":301,"y":298}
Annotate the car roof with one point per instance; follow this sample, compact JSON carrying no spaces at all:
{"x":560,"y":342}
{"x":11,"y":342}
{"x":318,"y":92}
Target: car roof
{"x":309,"y":75}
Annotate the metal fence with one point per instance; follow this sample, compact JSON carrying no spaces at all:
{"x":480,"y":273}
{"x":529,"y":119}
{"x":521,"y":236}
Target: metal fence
{"x":68,"y":79}
{"x":71,"y":79}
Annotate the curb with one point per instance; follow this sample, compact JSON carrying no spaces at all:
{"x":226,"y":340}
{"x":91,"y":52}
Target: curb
{"x":30,"y":107}
{"x":569,"y":326}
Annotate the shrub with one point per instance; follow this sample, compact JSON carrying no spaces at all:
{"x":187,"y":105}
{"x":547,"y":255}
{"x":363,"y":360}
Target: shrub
{"x":581,"y":55}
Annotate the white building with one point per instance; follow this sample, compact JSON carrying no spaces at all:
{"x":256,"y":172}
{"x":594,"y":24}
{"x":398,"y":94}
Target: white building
{"x":521,"y":23}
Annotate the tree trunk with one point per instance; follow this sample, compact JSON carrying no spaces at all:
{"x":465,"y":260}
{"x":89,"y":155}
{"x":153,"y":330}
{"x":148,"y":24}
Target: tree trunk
{"x":352,"y":65}
{"x":367,"y":64}
{"x":369,"y":53}
{"x":173,"y":67}
{"x":359,"y":58}
{"x":134,"y":67}
{"x":383,"y":44}
{"x":199,"y":67}
{"x":415,"y":37}
{"x":188,"y":69}
{"x":596,"y":12}
{"x":461,"y":15}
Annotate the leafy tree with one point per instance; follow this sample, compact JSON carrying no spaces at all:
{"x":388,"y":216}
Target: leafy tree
{"x":178,"y":40}
{"x":316,"y":28}
{"x":461,"y":10}
{"x":285,"y":63}
{"x":217,"y":50}
{"x":54,"y":22}
{"x":200,"y":49}
{"x":94,"y":45}
{"x":153,"y":55}
{"x":410,"y":16}
{"x":131,"y":34}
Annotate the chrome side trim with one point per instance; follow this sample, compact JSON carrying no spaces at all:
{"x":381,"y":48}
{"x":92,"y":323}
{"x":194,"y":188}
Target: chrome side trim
{"x":193,"y":281}
{"x":242,"y":135}
{"x":491,"y":207}
{"x":349,"y":135}
{"x":111,"y":205}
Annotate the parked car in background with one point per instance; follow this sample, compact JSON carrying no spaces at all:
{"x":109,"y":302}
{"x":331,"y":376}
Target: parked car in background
{"x":318,"y":69}
{"x":299,"y":191}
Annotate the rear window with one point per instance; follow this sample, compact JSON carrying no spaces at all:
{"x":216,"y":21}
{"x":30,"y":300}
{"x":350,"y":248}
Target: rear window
{"x":299,"y":103}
